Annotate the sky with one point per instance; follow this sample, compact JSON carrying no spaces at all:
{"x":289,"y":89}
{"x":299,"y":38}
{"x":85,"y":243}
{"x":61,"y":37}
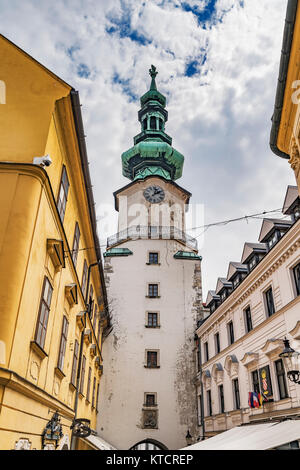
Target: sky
{"x":218,"y":64}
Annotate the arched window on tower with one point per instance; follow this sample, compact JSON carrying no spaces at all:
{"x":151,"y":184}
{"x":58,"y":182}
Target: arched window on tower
{"x":161,"y":124}
{"x":144,"y":124}
{"x":153,"y":122}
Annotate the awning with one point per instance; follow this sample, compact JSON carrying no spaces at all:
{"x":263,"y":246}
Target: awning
{"x":98,"y":443}
{"x":252,"y":437}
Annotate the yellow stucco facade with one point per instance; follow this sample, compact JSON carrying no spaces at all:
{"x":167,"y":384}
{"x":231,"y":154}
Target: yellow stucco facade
{"x":47,"y":244}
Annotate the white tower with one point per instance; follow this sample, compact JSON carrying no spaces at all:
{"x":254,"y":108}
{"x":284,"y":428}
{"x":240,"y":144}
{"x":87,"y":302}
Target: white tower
{"x":153,"y":277}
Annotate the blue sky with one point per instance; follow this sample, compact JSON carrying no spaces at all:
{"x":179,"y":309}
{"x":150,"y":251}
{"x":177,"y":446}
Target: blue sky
{"x":218,"y":65}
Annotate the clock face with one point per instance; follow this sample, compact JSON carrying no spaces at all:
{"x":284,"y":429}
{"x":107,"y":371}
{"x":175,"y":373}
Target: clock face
{"x":154,"y":194}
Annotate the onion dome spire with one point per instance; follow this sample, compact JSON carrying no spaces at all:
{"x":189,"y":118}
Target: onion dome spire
{"x":152,"y":153}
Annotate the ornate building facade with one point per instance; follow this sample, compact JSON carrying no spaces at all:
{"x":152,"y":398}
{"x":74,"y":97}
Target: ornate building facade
{"x":238,"y":344}
{"x":153,"y":274}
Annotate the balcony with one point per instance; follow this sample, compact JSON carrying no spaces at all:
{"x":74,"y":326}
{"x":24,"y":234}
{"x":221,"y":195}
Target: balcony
{"x":137,"y":232}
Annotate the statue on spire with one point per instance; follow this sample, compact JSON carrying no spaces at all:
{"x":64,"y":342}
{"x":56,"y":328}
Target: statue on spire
{"x":153,"y":73}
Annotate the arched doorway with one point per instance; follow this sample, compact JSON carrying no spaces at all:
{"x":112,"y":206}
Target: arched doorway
{"x":148,"y":444}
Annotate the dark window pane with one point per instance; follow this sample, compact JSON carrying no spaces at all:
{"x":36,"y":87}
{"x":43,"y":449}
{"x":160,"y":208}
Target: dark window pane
{"x":153,"y":290}
{"x":75,"y":362}
{"x":280,"y":374}
{"x":76,"y":243}
{"x":236,"y":392}
{"x":63,"y":343}
{"x":150,"y":399}
{"x":42,"y":322}
{"x":270,"y":301}
{"x":151,"y":359}
{"x":153,"y":258}
{"x":63,"y":194}
{"x":248,"y":320}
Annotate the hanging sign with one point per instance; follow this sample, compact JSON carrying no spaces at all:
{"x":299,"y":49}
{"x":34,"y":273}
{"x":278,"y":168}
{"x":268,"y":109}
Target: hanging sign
{"x":265,"y":383}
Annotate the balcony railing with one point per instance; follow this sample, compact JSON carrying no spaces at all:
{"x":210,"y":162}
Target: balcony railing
{"x":137,"y":232}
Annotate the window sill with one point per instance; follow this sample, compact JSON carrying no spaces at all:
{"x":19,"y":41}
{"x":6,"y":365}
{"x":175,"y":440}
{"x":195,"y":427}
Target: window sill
{"x":59,"y":373}
{"x":149,"y":406}
{"x":72,"y":387}
{"x":87,"y":402}
{"x":152,"y":367}
{"x":153,"y":264}
{"x":80,"y":394}
{"x":38,"y":350}
{"x":149,"y":326}
{"x":153,"y":296}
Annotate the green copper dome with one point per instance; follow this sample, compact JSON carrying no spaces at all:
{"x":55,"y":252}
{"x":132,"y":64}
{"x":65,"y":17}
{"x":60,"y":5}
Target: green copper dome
{"x":152,"y":153}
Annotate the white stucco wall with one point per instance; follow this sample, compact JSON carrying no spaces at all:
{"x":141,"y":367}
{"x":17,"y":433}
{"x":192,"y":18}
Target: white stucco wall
{"x":125,"y":379}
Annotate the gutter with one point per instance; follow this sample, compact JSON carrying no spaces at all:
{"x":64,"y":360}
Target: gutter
{"x":282,"y":76}
{"x":76,"y":107}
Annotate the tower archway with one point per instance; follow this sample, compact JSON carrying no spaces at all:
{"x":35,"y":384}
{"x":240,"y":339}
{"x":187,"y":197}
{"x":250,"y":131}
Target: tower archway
{"x":148,"y":444}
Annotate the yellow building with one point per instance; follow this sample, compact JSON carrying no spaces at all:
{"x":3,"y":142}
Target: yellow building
{"x":53,"y":307}
{"x":285,"y":132}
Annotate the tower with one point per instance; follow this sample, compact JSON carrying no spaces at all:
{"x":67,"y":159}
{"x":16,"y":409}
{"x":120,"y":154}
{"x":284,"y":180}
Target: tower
{"x":153,"y":276}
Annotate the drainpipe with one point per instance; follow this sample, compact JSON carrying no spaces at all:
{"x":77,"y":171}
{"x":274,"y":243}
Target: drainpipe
{"x":73,"y":438}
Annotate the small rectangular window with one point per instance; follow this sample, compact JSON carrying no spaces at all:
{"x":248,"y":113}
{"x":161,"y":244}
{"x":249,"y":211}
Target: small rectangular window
{"x":248,"y":319}
{"x":153,"y":290}
{"x":82,"y":375}
{"x":255,"y":381}
{"x":84,"y":278}
{"x":94,"y":391}
{"x":75,"y":362}
{"x":209,"y":404}
{"x":150,"y":399}
{"x":280,"y":374}
{"x":152,"y":320}
{"x":236,"y":394}
{"x":221,"y":398}
{"x":269,"y":301}
{"x":296,"y":272}
{"x":152,"y":359}
{"x":217,"y":343}
{"x":198,"y":355}
{"x":89,"y":384}
{"x":97,"y":396}
{"x":63,"y":343}
{"x":230,"y":330}
{"x":95,"y":318}
{"x":44,"y":309}
{"x":63,"y":194}
{"x":76,"y":239}
{"x":153,"y":258}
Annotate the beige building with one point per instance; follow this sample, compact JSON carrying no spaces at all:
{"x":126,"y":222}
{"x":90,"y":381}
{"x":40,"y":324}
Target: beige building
{"x":251,"y":311}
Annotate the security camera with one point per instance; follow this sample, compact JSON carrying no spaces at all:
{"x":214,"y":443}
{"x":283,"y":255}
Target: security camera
{"x":42,"y":161}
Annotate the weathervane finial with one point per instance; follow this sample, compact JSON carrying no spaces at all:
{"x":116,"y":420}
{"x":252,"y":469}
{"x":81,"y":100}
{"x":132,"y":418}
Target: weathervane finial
{"x":153,"y":73}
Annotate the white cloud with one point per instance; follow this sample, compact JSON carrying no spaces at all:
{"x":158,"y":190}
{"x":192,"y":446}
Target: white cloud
{"x":219,"y":118}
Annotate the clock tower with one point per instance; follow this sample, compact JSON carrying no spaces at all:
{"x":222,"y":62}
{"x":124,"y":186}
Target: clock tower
{"x":153,"y":276}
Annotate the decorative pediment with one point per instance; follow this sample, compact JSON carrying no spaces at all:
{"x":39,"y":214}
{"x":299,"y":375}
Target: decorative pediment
{"x":71,"y":294}
{"x":231,"y":365}
{"x":55,"y":249}
{"x":217,"y":372}
{"x":273,"y":347}
{"x":250,"y":358}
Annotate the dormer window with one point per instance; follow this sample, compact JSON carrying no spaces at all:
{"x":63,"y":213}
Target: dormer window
{"x":252,"y":262}
{"x":236,"y":281}
{"x":274,"y":239}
